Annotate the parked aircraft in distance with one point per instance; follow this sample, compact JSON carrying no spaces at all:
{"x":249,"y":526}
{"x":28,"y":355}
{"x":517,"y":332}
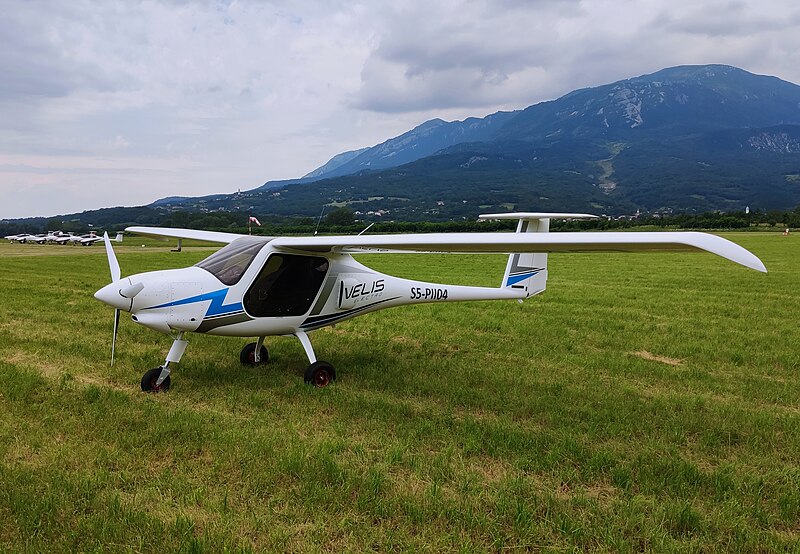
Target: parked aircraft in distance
{"x":57,"y":237}
{"x":36,"y":239}
{"x":20,"y":237}
{"x":91,"y":238}
{"x":264,"y":286}
{"x":47,"y":238}
{"x":64,"y":238}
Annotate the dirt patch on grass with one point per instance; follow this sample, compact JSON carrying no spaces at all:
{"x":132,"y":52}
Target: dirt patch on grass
{"x":602,"y":493}
{"x":88,"y":380}
{"x":21,"y":358}
{"x":645,"y":355}
{"x":406,"y":341}
{"x":493,"y":470}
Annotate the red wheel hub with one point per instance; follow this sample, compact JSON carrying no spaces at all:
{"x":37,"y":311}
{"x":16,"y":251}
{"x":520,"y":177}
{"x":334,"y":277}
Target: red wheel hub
{"x":322,"y":378}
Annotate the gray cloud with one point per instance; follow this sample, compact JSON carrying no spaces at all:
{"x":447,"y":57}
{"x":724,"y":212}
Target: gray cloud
{"x":486,"y":55}
{"x":730,"y":19}
{"x":430,"y":58}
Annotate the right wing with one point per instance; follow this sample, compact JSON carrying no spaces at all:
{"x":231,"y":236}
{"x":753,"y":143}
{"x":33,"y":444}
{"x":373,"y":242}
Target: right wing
{"x":524,"y":242}
{"x":487,"y":242}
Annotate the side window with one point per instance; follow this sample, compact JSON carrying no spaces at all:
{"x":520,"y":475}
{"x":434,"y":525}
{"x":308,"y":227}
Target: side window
{"x":286,"y":286}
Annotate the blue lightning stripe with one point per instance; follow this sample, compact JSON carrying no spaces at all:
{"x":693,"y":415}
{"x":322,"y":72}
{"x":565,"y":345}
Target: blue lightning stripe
{"x":514,"y":279}
{"x":216,"y":308}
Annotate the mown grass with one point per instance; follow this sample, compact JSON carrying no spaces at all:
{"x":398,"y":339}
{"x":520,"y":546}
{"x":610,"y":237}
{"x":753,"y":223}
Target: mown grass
{"x":644,"y":402}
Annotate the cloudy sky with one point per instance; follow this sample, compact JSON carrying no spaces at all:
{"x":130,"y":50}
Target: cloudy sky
{"x":119,"y":102}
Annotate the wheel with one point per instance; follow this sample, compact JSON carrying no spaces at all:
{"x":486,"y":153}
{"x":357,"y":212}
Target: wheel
{"x":149,"y":381}
{"x":320,"y":374}
{"x":248,"y":355}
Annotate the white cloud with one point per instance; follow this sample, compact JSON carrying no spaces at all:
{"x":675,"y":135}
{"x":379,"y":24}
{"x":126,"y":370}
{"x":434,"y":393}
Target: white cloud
{"x":122,"y":103}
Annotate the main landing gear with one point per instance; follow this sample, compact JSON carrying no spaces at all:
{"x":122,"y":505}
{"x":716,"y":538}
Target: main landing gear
{"x":319,"y":374}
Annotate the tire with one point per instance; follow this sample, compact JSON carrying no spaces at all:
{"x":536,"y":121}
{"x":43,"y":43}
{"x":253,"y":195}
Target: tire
{"x":149,"y":381}
{"x":320,"y":374}
{"x":248,"y":355}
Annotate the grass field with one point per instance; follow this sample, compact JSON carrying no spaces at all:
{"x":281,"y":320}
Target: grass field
{"x":644,"y":402}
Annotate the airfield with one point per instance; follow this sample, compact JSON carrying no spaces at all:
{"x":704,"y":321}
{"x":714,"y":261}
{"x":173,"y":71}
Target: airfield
{"x":643,"y":402}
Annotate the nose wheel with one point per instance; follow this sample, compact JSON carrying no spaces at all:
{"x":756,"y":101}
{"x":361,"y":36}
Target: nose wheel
{"x":150,"y":381}
{"x":248,"y":354}
{"x":157,"y":379}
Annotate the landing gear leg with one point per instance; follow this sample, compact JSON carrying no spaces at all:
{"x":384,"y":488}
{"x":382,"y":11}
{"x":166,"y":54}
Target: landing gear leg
{"x":254,"y":353}
{"x":157,"y":379}
{"x":319,"y":373}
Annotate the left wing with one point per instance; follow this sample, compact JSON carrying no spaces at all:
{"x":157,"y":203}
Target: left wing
{"x":163,"y":233}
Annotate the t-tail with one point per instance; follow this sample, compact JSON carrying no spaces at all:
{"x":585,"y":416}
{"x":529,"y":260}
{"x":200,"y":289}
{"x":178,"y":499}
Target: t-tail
{"x":528,"y":272}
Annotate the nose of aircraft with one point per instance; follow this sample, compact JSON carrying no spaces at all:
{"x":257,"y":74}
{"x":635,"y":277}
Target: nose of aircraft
{"x":111,"y":295}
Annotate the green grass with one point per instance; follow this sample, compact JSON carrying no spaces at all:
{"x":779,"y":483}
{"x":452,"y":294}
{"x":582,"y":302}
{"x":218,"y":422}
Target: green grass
{"x":644,"y":402}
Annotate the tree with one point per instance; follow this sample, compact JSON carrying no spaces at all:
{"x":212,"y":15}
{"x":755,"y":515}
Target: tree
{"x":340,"y":216}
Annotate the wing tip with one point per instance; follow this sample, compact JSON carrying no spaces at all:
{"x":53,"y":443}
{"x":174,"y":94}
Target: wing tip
{"x":729,"y":250}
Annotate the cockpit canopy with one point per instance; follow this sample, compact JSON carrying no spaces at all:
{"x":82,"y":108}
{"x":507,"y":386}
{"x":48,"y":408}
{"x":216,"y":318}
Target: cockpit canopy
{"x":229,"y":263}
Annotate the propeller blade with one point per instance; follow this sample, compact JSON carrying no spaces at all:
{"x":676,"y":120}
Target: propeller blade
{"x":114,"y":339}
{"x":113,"y":264}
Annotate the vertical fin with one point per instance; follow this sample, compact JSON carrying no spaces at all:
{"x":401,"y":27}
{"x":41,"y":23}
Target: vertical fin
{"x":528,"y":271}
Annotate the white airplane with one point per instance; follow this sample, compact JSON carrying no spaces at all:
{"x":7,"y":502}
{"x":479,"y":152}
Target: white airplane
{"x":53,"y":237}
{"x":64,"y":238}
{"x":85,"y":240}
{"x":20,"y":237}
{"x":91,"y":238}
{"x":39,"y":239}
{"x":263,"y":286}
{"x":78,"y":239}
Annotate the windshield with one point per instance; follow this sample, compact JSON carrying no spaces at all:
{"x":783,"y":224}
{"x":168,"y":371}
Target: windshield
{"x":228,"y":264}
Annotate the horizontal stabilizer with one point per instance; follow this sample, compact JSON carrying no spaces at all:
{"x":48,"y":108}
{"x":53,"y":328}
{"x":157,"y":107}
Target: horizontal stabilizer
{"x":537,"y":215}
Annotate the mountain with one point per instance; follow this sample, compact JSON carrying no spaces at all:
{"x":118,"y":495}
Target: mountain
{"x":421,"y":141}
{"x":671,"y":102}
{"x":335,"y":162}
{"x":683,"y":139}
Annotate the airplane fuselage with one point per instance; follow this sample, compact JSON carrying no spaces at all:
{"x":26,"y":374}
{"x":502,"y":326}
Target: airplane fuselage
{"x":273,"y":293}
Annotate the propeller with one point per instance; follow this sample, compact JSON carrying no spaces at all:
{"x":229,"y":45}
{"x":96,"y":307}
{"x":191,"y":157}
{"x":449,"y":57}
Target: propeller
{"x":118,"y":294}
{"x":114,"y":339}
{"x":113,"y":265}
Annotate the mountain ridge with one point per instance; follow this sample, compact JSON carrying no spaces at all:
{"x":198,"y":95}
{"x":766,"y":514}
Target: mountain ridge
{"x":613,"y":148}
{"x":625,"y":108}
{"x":683,"y":139}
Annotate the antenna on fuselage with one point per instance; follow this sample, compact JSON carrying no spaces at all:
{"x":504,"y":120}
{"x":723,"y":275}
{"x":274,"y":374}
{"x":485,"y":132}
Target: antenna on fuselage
{"x":319,"y":220}
{"x":366,"y":228}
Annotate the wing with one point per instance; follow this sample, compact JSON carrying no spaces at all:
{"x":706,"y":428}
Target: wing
{"x":525,"y":242}
{"x":164,"y":233}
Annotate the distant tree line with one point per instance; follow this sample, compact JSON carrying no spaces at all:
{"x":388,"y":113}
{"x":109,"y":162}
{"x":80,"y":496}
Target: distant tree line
{"x":343,"y":220}
{"x":755,"y":220}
